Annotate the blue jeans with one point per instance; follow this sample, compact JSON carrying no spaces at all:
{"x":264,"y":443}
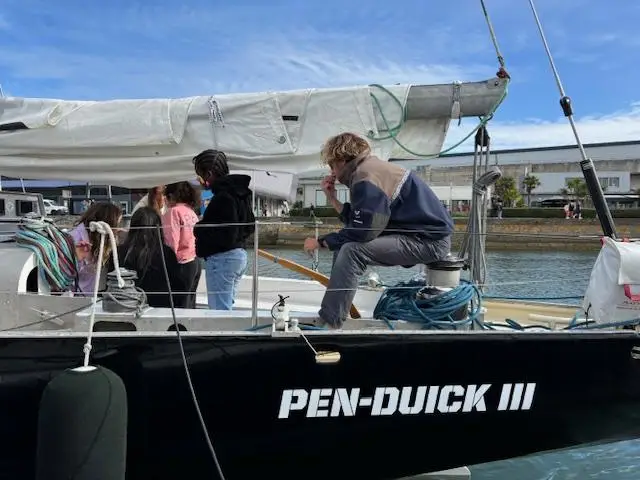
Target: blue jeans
{"x":223,"y":272}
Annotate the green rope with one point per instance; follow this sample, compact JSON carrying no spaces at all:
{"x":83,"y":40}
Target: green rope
{"x":395,"y":130}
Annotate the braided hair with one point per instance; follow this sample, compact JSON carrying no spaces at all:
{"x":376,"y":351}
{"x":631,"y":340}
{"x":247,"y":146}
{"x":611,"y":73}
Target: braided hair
{"x":209,"y":165}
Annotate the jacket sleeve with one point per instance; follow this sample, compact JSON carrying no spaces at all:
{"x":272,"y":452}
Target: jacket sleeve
{"x":222,"y":209}
{"x":365,"y":218}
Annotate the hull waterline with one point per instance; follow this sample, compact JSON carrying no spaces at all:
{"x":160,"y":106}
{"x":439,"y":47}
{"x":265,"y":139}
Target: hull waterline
{"x":577,"y":388}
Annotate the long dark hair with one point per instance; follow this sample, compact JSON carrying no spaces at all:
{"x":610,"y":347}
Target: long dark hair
{"x":209,"y":165}
{"x":142,"y":243}
{"x":182,"y":192}
{"x":100,"y":212}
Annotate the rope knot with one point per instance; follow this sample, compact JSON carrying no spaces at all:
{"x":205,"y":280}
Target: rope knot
{"x":102,"y":228}
{"x":502,"y":73}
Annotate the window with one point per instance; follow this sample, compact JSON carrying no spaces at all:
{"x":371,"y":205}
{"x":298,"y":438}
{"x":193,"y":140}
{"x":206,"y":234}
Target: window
{"x":23,"y":207}
{"x":606,"y":182}
{"x":321,"y":198}
{"x":343,"y":195}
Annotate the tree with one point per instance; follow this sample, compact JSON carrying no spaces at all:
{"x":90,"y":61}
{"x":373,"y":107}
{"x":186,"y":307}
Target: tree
{"x":577,"y":188}
{"x":506,"y":190}
{"x":530,"y":183}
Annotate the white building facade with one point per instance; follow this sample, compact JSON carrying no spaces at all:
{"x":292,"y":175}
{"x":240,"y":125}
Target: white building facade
{"x":617,"y":165}
{"x":310,"y":193}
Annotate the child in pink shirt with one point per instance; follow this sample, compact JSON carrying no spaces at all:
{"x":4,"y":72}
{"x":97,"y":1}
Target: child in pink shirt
{"x":178,"y":222}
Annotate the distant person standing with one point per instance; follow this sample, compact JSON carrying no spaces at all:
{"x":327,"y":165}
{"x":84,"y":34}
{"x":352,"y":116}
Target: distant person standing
{"x":577,"y":211}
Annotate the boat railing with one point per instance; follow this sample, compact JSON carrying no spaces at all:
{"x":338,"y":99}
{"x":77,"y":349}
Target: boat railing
{"x":316,"y":227}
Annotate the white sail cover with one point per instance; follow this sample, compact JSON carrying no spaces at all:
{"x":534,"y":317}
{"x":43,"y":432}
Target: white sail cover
{"x":141,"y":143}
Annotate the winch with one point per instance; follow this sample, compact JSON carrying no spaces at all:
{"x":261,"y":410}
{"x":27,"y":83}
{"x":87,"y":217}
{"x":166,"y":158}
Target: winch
{"x":442,"y":277}
{"x":445,"y":273}
{"x":128,"y":298}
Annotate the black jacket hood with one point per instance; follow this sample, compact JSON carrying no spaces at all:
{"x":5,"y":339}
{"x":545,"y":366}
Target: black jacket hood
{"x":236,"y":185}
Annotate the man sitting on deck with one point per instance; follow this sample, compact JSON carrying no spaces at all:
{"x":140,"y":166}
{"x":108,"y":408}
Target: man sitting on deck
{"x":393,"y":219}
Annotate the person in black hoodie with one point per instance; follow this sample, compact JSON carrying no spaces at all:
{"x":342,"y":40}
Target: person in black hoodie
{"x":226,"y":224}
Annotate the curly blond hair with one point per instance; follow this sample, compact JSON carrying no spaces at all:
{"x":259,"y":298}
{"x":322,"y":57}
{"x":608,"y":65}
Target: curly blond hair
{"x":344,"y":148}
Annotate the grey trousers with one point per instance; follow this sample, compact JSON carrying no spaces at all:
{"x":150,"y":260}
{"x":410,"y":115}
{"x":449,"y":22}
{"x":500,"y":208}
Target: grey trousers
{"x":351,"y":261}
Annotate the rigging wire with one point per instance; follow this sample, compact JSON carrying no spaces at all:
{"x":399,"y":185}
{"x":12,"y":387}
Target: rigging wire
{"x":587,"y":166}
{"x":185,"y":364}
{"x":564,"y":98}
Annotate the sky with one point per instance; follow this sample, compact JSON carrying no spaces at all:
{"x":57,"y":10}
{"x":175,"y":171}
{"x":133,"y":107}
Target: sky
{"x":97,"y":50}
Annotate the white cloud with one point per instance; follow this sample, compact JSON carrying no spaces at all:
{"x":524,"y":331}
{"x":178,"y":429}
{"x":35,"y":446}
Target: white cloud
{"x":618,"y":126}
{"x":313,"y":67}
{"x":279,"y":66}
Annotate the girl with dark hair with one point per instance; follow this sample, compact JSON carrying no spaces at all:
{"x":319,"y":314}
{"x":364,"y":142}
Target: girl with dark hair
{"x":226,"y":224}
{"x":88,"y":243}
{"x":142,"y":252}
{"x":178,"y":223}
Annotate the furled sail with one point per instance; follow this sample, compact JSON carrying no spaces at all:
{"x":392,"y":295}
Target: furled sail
{"x":140,"y":143}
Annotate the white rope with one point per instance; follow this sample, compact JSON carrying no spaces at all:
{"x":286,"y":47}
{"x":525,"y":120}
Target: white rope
{"x":104,"y":230}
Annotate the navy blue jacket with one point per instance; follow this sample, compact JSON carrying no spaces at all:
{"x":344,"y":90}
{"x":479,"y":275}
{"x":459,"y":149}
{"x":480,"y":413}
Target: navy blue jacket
{"x":388,"y":199}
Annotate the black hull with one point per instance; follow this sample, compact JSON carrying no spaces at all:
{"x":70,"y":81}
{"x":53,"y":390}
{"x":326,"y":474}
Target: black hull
{"x":587,"y":390}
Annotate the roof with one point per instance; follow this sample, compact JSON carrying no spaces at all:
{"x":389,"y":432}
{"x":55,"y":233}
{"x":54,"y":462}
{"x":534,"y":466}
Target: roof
{"x":39,"y":184}
{"x":539,"y":149}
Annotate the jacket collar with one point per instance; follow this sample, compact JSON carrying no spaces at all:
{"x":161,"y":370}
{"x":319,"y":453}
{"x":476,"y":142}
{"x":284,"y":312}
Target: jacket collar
{"x":346,"y":175}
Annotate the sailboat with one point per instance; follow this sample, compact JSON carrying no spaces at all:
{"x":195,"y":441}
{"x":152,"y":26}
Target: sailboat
{"x":382,"y":398}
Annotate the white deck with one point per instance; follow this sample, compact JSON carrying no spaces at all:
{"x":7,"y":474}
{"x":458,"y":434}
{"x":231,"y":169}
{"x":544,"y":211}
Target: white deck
{"x":32,"y":312}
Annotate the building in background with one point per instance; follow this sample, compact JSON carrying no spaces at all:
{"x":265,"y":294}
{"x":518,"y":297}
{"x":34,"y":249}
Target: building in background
{"x":273,"y":192}
{"x":74,"y":195}
{"x":617,"y":164}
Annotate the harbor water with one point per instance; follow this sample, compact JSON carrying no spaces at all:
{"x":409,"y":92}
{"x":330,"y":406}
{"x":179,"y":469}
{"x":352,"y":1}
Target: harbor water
{"x":525,"y":275}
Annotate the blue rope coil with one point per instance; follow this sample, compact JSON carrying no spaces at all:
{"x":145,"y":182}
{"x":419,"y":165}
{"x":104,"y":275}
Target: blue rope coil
{"x":401,"y":302}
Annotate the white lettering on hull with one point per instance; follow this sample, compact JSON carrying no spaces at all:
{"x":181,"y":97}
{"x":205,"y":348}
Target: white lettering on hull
{"x":386,"y":401}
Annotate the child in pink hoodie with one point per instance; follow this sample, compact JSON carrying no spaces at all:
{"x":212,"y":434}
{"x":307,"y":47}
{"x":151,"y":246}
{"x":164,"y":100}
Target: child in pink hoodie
{"x":178,"y":222}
